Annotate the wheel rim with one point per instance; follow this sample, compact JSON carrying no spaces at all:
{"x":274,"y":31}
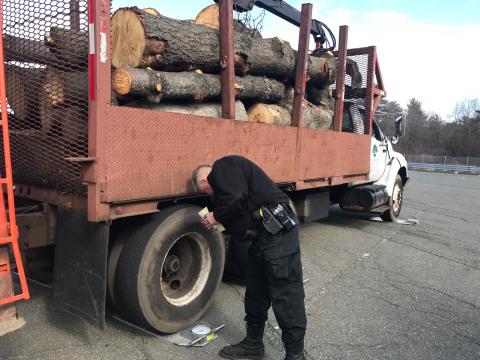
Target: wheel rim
{"x":396,"y":198}
{"x":185,"y":269}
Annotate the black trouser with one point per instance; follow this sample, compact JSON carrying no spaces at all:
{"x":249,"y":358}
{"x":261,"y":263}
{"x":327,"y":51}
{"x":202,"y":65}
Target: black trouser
{"x":275,"y":279}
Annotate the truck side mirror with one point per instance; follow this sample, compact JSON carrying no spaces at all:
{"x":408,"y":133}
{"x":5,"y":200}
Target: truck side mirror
{"x":400,"y":124}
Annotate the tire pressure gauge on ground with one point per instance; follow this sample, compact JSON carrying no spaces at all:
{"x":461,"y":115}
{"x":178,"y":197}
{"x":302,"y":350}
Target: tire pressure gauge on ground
{"x":201,"y":330}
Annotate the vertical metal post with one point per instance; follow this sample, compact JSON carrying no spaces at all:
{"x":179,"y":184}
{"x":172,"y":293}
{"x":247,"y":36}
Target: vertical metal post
{"x":445,"y":160}
{"x":422,"y":157}
{"x":227,"y":64}
{"x":340,"y":85}
{"x":301,"y":68}
{"x":99,"y":65}
{"x":74,"y":14}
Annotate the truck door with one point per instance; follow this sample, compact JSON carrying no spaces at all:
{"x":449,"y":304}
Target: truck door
{"x":378,"y":153}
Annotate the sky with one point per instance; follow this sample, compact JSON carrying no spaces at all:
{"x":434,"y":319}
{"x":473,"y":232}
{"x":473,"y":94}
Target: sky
{"x":426,"y":48}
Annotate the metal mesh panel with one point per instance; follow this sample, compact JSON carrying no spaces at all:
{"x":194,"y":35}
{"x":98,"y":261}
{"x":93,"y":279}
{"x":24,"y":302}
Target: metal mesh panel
{"x":46,"y":53}
{"x":358,"y":89}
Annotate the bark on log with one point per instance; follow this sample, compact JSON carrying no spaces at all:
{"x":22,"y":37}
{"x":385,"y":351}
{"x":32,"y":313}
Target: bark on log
{"x":188,"y":44}
{"x":63,"y":87}
{"x":21,"y":98}
{"x":203,"y":109}
{"x":192,"y":86}
{"x":69,"y":46}
{"x":27,"y":50}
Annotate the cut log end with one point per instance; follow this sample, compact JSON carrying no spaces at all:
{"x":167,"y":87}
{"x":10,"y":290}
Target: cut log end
{"x":122,"y":82}
{"x":262,"y":113}
{"x":209,"y":16}
{"x":128,"y":38}
{"x":152,"y":11}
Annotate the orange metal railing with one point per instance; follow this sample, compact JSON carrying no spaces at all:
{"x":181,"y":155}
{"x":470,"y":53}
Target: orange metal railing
{"x":8,"y":223}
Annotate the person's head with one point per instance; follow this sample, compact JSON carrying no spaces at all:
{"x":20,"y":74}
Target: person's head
{"x":200,"y":181}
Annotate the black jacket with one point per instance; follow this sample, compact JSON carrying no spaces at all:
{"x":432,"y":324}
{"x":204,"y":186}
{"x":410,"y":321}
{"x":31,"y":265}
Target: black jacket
{"x":240,"y":187}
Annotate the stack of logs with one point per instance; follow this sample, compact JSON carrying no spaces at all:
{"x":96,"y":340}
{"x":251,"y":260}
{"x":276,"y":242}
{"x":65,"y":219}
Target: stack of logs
{"x":173,"y":65}
{"x":47,"y":82}
{"x":164,"y":64}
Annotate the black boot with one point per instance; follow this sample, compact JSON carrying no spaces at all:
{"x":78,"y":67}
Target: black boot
{"x":250,"y":348}
{"x":295,"y":351}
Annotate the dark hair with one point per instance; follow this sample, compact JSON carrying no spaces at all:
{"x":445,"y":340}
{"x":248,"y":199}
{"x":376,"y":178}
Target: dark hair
{"x":195,"y":173}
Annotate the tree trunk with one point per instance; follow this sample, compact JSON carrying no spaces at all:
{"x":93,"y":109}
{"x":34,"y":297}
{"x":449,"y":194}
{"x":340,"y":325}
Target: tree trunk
{"x":63,"y":87}
{"x":197,"y":46}
{"x":203,"y":109}
{"x":194,"y":86}
{"x":21,"y":98}
{"x":69,"y":46}
{"x":26,"y":50}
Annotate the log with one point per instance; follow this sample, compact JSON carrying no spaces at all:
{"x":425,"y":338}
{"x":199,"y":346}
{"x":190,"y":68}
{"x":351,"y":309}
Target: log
{"x":197,"y":46}
{"x":269,"y":114}
{"x":21,"y":98}
{"x":319,"y":117}
{"x":202,"y":109}
{"x":194,"y":86}
{"x":210,"y":16}
{"x":65,"y":87}
{"x":152,"y":11}
{"x":68,"y":122}
{"x":27,"y":50}
{"x":69,"y":46}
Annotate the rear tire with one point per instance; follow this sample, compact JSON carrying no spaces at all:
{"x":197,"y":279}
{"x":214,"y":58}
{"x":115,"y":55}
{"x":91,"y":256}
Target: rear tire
{"x":169,"y":270}
{"x":395,"y":201}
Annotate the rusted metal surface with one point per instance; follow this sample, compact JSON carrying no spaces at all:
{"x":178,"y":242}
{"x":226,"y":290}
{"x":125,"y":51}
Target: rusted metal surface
{"x":227,"y":64}
{"x":50,"y":196}
{"x":151,"y":154}
{"x":118,"y":211}
{"x":301,"y":68}
{"x":100,"y":97}
{"x":340,"y":84}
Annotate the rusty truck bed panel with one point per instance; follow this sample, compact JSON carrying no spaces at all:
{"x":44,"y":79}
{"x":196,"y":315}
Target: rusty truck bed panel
{"x":151,"y":154}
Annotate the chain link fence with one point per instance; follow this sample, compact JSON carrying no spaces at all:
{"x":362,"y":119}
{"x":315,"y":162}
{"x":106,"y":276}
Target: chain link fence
{"x":464,"y":164}
{"x":444,"y":160}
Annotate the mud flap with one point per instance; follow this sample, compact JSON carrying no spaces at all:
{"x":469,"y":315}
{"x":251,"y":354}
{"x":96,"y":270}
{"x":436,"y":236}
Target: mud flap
{"x":80,"y":275}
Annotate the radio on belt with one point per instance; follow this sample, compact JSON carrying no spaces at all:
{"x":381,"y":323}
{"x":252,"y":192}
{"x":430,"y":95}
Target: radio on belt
{"x":276,"y":218}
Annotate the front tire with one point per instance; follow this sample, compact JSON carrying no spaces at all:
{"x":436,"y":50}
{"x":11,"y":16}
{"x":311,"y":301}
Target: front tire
{"x":169,"y":270}
{"x":395,"y":201}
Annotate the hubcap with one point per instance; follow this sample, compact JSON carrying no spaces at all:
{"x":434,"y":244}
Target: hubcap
{"x":185,"y":269}
{"x":396,"y":198}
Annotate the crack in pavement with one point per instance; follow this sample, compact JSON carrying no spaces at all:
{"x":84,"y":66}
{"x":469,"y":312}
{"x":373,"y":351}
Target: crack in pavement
{"x":409,"y":281}
{"x":434,"y":254}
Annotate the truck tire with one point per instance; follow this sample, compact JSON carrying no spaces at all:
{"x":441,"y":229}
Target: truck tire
{"x":395,"y":201}
{"x":169,"y":270}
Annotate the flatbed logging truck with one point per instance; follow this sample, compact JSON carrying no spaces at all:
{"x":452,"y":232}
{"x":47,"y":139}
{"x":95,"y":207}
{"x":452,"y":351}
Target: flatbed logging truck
{"x":111,"y":111}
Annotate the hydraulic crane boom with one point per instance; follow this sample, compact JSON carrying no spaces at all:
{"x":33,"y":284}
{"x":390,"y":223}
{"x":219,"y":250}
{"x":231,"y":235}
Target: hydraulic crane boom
{"x":288,"y":13}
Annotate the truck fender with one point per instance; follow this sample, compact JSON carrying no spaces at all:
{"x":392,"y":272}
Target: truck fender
{"x":388,"y":178}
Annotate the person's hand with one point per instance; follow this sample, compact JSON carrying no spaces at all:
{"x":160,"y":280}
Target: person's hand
{"x":209,"y":220}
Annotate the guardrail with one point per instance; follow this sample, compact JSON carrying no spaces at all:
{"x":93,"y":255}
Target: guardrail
{"x":445,"y":168}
